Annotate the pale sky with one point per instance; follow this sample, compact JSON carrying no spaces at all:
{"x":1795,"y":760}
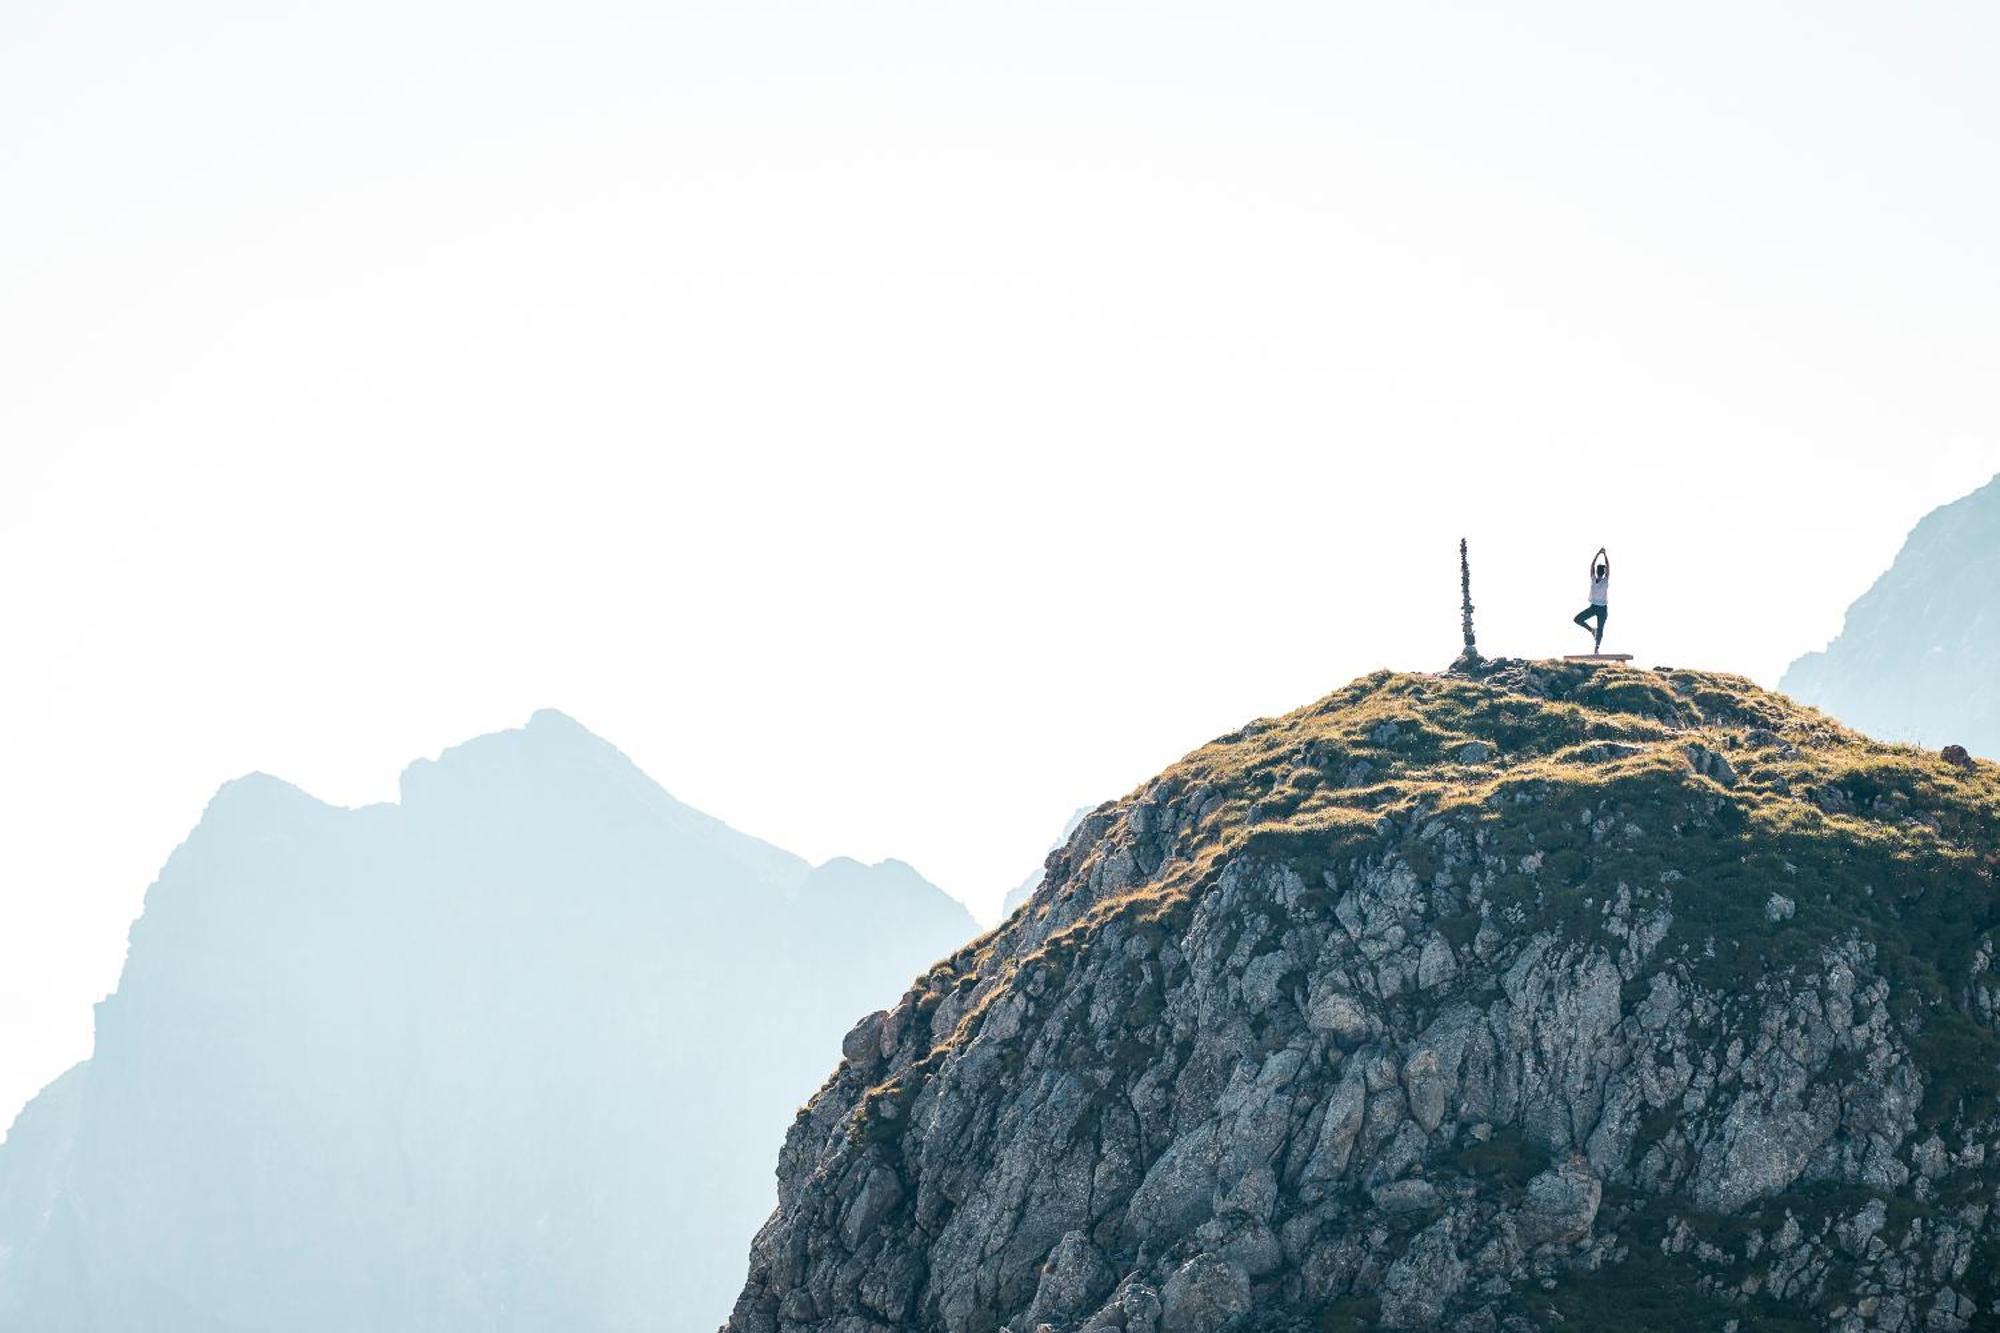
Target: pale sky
{"x":898,"y":424}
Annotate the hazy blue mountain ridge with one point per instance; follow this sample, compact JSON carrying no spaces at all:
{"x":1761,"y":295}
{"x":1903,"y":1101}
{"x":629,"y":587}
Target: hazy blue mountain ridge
{"x":515,"y":1052}
{"x":1919,"y":657}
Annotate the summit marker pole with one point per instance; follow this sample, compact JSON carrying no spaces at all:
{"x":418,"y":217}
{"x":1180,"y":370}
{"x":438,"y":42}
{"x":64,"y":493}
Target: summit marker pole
{"x":1470,"y":657}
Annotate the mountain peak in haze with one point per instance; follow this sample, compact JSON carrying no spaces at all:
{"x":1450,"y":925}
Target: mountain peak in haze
{"x":1919,"y":656}
{"x":510,"y":1054}
{"x":258,"y":792}
{"x":550,"y":746}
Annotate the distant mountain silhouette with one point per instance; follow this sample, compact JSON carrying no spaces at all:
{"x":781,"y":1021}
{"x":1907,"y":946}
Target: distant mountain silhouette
{"x":1919,"y":657}
{"x":515,"y":1053}
{"x":1025,"y":890}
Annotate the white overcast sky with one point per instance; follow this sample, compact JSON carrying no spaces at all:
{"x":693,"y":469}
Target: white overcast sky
{"x":897,"y":424}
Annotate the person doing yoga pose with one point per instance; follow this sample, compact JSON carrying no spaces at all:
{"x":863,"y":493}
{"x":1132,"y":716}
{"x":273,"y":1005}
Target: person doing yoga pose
{"x":1600,"y":596}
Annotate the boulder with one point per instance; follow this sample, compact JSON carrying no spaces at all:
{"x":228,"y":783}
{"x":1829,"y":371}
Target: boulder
{"x":1561,"y":1204}
{"x":1204,"y":1294}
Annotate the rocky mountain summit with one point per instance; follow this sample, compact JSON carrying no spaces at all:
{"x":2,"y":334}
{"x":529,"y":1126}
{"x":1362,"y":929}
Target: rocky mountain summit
{"x":1919,"y":657}
{"x":1541,"y":995}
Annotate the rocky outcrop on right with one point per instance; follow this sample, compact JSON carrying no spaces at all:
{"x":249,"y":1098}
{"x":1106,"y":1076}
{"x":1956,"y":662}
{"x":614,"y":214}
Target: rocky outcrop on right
{"x":1919,"y":657}
{"x":1532,"y":996}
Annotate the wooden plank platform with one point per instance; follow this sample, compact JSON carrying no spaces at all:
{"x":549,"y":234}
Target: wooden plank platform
{"x":1597,"y":657}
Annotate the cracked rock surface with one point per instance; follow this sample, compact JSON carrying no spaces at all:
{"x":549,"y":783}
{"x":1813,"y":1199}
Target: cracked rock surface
{"x":1447,"y":1002}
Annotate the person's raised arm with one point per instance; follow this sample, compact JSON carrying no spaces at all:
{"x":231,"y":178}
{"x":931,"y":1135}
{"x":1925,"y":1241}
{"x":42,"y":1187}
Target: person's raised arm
{"x":1607,"y":561}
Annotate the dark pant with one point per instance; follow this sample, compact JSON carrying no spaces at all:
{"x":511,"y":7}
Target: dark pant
{"x":1602,"y":613}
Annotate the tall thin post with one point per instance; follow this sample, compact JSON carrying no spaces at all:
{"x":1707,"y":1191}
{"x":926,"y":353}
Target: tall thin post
{"x":1470,"y":656}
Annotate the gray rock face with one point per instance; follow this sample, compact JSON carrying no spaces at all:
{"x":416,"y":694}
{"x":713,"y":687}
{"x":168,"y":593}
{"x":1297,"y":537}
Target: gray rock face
{"x":1560,"y":1206}
{"x":1204,"y":1295}
{"x":1454,"y":1062}
{"x":1074,"y":1280}
{"x":1423,"y":1280}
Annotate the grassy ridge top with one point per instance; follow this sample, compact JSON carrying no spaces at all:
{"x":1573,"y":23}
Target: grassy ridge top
{"x":1718,"y":851}
{"x":1696,"y":790}
{"x":1395,"y":745}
